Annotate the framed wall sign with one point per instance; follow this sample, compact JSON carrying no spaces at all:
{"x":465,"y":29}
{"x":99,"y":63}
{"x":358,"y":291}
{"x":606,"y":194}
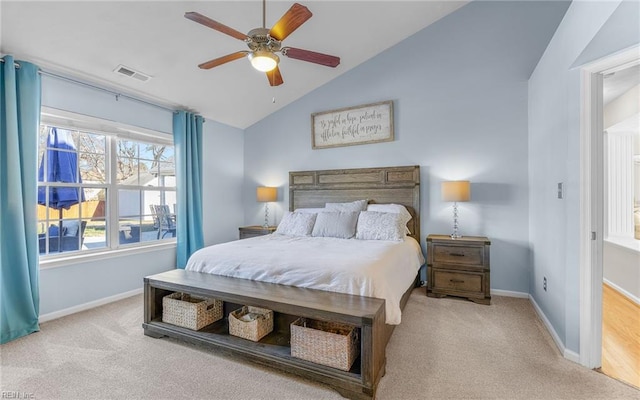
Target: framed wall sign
{"x":369,"y":123}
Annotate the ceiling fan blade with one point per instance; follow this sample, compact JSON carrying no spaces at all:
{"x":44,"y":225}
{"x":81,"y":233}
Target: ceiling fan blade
{"x":274,"y":77}
{"x":311,"y":56}
{"x":222,"y":60}
{"x":290,"y":21}
{"x":206,"y":21}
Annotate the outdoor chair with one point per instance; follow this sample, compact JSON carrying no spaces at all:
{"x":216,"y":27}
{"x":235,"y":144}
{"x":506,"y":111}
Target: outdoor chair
{"x":71,"y":240}
{"x":166,"y":220}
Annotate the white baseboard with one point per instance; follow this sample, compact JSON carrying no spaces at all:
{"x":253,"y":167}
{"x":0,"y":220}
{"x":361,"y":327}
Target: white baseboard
{"x":622,"y":291}
{"x":87,"y":306}
{"x":568,"y":354}
{"x":572,"y":356}
{"x":509,"y":293}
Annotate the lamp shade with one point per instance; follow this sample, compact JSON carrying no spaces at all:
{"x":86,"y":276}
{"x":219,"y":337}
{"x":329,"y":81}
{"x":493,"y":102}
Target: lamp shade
{"x":265,"y":194}
{"x":456,"y":191}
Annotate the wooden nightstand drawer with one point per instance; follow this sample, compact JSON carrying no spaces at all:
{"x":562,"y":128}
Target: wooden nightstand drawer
{"x":457,"y":254}
{"x":459,"y":267}
{"x":245,"y":232}
{"x":459,"y":281}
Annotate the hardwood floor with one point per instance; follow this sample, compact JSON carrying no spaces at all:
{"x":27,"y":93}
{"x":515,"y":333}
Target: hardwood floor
{"x":620,"y":337}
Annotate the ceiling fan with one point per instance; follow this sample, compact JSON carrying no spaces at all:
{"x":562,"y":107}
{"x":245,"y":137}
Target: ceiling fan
{"x":264,"y":43}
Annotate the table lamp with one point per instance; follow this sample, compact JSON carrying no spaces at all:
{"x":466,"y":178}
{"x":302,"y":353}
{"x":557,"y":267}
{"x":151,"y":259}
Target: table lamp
{"x":265,"y":194}
{"x":456,"y":191}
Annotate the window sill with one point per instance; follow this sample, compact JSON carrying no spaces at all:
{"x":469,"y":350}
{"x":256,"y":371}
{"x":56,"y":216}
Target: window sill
{"x":624,"y":242}
{"x":83,"y":258}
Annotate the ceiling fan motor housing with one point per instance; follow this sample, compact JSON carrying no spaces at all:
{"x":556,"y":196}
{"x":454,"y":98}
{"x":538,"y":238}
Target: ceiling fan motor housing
{"x":259,"y":39}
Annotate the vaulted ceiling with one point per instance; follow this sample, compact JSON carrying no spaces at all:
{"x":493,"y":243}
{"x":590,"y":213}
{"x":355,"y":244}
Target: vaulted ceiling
{"x":88,"y":40}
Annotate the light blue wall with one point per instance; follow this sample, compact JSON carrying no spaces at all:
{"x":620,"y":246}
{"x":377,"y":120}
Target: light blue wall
{"x":460,"y":95}
{"x":76,"y":284}
{"x":590,"y":30}
{"x":223,"y":166}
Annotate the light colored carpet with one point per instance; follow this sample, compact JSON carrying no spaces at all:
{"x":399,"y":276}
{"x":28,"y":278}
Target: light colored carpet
{"x":444,"y":349}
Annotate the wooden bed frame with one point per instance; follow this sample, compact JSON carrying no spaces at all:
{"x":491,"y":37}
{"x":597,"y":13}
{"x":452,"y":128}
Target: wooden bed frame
{"x":382,"y":185}
{"x":399,"y":185}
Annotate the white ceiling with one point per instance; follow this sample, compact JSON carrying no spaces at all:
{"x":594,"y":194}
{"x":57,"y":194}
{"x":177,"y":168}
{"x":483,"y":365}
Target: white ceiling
{"x":89,"y":39}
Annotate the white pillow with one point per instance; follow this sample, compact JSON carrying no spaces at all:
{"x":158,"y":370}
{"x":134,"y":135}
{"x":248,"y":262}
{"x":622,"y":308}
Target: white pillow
{"x":336,"y":224}
{"x":310,"y":210}
{"x":393,"y":208}
{"x":296,"y":224}
{"x":358,"y":205}
{"x":374,"y":225}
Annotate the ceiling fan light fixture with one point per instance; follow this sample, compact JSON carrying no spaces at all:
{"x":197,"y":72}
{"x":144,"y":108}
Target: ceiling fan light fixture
{"x":263,"y":60}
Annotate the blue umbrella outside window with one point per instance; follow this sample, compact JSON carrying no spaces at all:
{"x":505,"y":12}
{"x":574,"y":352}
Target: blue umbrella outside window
{"x":61,"y":157}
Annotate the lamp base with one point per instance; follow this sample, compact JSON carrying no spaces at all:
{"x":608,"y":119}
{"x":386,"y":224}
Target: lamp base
{"x":455,"y":234}
{"x":266,"y":216}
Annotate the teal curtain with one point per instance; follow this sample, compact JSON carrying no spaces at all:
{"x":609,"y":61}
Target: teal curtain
{"x":187,"y":137}
{"x":20,"y":93}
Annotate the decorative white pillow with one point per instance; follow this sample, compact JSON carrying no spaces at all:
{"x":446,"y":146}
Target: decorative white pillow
{"x":358,"y":205}
{"x":393,"y":208}
{"x":310,"y":210}
{"x":336,"y":224}
{"x":374,"y":225}
{"x":296,"y":224}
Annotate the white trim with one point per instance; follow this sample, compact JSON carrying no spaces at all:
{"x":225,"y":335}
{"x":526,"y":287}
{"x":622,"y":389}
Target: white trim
{"x":622,"y":291}
{"x":509,"y":293}
{"x":88,"y":306}
{"x":592,"y":202}
{"x":572,"y":356}
{"x":106,"y":254}
{"x":568,"y":354}
{"x":87,"y":123}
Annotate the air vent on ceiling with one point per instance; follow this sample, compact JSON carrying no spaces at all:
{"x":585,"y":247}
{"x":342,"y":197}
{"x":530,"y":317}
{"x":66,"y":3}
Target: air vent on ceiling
{"x":131,"y":73}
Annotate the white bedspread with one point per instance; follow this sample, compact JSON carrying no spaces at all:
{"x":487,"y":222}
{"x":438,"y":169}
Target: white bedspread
{"x":372,"y":268}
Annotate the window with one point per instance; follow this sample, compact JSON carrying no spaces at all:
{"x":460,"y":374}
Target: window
{"x":104,"y":188}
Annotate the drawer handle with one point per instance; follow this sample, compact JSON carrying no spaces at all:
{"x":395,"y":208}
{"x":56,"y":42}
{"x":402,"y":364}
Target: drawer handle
{"x":456,"y":280}
{"x":456,"y":254}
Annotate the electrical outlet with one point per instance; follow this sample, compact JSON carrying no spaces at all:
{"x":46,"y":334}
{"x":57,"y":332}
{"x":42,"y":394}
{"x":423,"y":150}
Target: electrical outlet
{"x":544,"y":283}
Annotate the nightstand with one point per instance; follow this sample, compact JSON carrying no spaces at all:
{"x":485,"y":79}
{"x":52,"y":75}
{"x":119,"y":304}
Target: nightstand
{"x":254,"y":230}
{"x":459,"y":267}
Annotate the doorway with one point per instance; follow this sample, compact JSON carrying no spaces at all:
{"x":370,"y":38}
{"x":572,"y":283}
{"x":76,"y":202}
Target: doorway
{"x":621,"y":246}
{"x":596,"y":304}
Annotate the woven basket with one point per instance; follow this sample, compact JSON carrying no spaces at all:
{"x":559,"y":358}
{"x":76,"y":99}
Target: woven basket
{"x":328,"y":343}
{"x":190,"y":312}
{"x":254,"y":329}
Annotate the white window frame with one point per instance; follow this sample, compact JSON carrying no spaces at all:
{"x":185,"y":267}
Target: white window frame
{"x":114,"y":130}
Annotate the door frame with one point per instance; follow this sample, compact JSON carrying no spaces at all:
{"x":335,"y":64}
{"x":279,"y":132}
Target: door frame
{"x":592,"y":200}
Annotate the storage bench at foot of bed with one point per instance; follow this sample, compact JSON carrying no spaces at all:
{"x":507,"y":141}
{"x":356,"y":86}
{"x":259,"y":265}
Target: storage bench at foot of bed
{"x":288,"y":303}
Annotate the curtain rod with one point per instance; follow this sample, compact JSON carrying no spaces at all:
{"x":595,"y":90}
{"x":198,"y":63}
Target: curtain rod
{"x":116,"y":94}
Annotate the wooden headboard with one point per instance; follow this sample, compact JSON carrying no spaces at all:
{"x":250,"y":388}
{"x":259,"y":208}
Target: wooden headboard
{"x":399,"y":185}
